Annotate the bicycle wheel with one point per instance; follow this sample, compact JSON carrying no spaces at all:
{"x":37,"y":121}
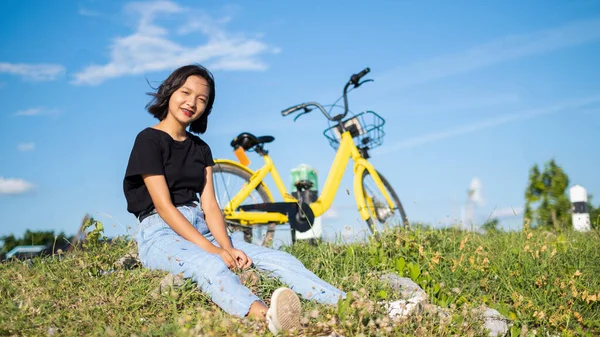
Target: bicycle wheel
{"x":229,"y":180}
{"x":381,"y":215}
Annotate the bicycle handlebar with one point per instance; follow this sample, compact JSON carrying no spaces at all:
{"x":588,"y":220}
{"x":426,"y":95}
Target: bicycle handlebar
{"x":304,"y":106}
{"x":354,"y":80}
{"x":291,"y":109}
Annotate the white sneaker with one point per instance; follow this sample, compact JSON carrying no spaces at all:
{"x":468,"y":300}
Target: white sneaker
{"x":284,"y":312}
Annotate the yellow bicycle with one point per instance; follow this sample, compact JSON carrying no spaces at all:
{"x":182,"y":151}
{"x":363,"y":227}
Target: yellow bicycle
{"x":247,"y":202}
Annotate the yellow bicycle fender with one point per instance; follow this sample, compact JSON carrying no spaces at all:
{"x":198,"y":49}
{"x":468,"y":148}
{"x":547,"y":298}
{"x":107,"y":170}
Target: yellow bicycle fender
{"x":245,"y":168}
{"x":359,"y":167}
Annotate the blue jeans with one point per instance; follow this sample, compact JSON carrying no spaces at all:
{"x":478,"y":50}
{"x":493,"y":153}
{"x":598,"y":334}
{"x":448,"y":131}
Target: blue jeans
{"x":160,"y":248}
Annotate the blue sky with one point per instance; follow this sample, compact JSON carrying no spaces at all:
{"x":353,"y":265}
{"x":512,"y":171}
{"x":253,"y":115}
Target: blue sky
{"x":472,"y":91}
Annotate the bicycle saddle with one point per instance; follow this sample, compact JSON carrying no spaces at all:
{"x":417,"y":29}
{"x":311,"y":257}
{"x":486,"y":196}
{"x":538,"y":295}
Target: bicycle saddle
{"x":247,"y":140}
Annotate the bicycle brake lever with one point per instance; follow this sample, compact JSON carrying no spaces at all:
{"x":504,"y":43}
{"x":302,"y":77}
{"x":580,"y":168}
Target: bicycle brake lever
{"x":298,"y":116}
{"x":306,"y":110}
{"x":361,"y":83}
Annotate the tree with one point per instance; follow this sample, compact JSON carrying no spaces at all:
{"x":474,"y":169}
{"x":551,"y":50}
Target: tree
{"x":45,"y":238}
{"x":546,"y":202}
{"x":9,"y":242}
{"x":490,"y":225}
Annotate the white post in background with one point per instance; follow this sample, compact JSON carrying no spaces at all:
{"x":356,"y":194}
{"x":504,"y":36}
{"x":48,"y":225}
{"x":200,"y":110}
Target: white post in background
{"x":581,"y":217}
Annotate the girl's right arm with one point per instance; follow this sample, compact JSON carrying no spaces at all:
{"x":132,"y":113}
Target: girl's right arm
{"x":159,"y":192}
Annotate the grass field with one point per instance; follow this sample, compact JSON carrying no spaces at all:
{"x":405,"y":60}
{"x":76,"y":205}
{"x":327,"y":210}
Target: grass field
{"x":545,"y":283}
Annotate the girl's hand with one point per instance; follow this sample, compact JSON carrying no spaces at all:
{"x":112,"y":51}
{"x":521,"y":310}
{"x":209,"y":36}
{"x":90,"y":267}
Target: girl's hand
{"x":241,"y":259}
{"x":227,"y":258}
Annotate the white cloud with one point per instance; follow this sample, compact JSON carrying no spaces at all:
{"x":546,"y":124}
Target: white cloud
{"x":36,"y":112}
{"x":507,"y":212}
{"x":14,"y":186}
{"x":29,"y":112}
{"x":26,"y":146}
{"x":33,"y":72}
{"x":487,"y":124}
{"x":497,"y":51}
{"x":149,"y":47}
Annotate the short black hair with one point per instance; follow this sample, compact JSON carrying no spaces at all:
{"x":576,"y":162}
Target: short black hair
{"x":159,"y":105}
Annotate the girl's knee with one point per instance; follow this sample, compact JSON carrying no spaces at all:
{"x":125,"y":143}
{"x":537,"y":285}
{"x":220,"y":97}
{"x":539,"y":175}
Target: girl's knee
{"x":212,"y":270}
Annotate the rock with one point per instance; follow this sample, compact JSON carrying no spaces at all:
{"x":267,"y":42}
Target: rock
{"x":128,"y":261}
{"x":414,"y":299}
{"x":494,"y":321}
{"x":407,"y":288}
{"x":168,"y":282}
{"x":402,"y":308}
{"x":412,"y":296}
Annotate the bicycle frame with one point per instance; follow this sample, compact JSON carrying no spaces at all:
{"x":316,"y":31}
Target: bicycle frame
{"x":346,"y":151}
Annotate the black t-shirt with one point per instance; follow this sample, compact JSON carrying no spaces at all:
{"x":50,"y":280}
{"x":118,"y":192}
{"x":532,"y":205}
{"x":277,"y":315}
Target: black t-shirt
{"x":181,"y":162}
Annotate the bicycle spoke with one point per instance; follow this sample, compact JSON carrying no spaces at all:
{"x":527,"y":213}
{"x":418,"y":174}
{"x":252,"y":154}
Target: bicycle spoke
{"x":382,"y":216}
{"x":228,"y":181}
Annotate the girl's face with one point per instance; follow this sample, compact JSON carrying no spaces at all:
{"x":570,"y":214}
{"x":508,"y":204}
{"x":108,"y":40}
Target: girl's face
{"x":189,"y":101}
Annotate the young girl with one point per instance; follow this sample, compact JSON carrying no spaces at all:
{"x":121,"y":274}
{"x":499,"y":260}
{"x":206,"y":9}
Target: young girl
{"x":167,"y":168}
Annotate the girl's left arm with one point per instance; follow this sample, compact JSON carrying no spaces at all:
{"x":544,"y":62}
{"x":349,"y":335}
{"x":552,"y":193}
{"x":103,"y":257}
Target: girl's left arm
{"x":216,"y":222}
{"x":212,"y":212}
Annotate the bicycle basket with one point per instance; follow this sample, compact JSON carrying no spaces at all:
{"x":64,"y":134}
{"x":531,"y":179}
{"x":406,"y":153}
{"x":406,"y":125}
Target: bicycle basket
{"x":366,"y":128}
